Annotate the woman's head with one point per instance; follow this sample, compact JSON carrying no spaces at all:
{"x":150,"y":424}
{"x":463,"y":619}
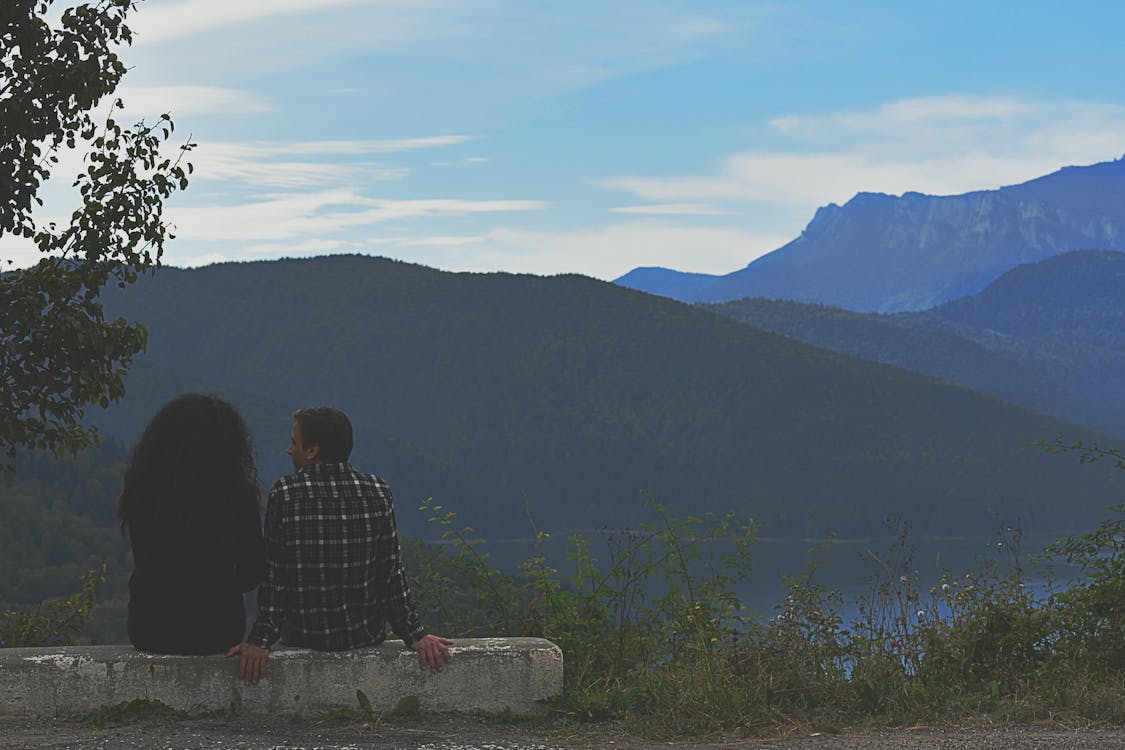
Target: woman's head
{"x":193,"y":465}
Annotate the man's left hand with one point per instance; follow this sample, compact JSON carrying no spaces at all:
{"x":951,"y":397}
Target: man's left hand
{"x":251,"y":661}
{"x":433,"y":652}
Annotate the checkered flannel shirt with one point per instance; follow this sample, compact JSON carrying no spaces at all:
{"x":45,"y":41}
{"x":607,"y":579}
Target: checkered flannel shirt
{"x":334,"y":574}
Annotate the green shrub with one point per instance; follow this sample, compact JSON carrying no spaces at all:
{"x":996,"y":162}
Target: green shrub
{"x":55,"y":622}
{"x":654,"y":634}
{"x":1094,"y":606}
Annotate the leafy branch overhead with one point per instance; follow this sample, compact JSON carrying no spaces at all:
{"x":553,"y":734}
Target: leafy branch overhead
{"x":59,"y":353}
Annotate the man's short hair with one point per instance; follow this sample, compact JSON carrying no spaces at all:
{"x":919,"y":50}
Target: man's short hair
{"x":327,"y":427}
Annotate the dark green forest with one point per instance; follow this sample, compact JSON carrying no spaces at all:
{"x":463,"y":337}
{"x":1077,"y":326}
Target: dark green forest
{"x":60,"y":522}
{"x":578,"y":398}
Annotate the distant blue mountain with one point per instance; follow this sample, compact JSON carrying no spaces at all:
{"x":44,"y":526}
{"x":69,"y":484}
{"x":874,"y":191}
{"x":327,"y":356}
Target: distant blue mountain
{"x":882,"y":253}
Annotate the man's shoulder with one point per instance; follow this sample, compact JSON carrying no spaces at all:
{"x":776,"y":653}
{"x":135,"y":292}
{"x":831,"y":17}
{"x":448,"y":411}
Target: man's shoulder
{"x":288,"y":481}
{"x":346,"y":470}
{"x":323,"y":475}
{"x":373,"y":481}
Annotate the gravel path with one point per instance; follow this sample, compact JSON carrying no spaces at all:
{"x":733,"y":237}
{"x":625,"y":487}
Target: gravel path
{"x":464,"y":733}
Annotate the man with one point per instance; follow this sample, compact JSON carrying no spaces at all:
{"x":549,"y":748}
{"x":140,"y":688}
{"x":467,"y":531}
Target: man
{"x":334,"y":574}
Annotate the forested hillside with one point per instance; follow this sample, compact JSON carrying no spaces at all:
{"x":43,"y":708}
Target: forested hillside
{"x":59,"y":522}
{"x":565,"y":399}
{"x":1049,"y":336}
{"x":577,"y":399}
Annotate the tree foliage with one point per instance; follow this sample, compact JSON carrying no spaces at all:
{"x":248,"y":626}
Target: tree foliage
{"x":58,"y":353}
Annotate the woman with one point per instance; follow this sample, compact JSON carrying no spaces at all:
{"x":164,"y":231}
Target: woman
{"x":190,"y":505}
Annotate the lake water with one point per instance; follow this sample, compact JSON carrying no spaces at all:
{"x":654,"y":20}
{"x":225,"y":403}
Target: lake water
{"x":851,"y":567}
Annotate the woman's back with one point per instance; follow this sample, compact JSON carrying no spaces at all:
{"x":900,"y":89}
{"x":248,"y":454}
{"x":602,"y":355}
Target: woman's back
{"x":190,"y":504}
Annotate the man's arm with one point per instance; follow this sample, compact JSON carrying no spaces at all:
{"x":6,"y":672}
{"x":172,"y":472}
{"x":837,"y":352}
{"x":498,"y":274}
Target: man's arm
{"x":266,"y":631}
{"x":394,"y":594}
{"x":390,"y":578}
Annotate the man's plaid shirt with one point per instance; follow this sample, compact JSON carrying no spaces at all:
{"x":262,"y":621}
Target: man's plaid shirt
{"x":334,"y":574}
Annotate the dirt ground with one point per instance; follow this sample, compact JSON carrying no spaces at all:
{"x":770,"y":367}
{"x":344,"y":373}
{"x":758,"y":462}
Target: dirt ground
{"x":469,"y":733}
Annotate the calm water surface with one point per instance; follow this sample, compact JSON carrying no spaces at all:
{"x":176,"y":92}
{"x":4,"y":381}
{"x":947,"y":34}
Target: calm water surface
{"x":851,"y":567}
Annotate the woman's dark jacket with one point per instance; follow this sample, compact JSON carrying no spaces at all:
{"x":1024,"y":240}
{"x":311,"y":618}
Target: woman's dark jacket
{"x":185,"y":594}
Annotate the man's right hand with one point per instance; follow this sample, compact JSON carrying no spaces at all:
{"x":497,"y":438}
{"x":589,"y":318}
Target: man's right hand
{"x":433,"y":652}
{"x":251,"y":661}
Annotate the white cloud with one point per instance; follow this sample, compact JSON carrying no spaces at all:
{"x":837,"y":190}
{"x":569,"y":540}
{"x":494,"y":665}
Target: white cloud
{"x":229,"y":161}
{"x":816,"y":179}
{"x":670,"y":209}
{"x":461,"y":162}
{"x":308,"y":247}
{"x":892,"y":116}
{"x":264,"y":163}
{"x":442,"y":240}
{"x":193,"y":261}
{"x":303,"y":148}
{"x":160,"y":22}
{"x":936,"y":145}
{"x":603,"y":252}
{"x":190,"y":100}
{"x":502,"y":57}
{"x":297,"y":217}
{"x":21,"y":251}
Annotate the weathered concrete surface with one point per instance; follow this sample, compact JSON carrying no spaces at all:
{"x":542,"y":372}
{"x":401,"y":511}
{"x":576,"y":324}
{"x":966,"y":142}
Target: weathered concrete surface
{"x":488,"y":674}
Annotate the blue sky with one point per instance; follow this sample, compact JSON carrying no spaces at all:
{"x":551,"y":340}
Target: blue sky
{"x":593,"y":137}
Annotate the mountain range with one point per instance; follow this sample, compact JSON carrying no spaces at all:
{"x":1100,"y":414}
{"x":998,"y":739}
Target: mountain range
{"x":885,"y":253}
{"x":1049,"y":336}
{"x":573,"y":400}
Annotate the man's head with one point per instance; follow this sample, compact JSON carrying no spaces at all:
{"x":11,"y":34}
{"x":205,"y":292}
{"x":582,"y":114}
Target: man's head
{"x":321,"y":434}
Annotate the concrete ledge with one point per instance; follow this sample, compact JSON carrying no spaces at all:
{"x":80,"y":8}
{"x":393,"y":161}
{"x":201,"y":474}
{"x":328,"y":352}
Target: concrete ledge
{"x":487,"y":674}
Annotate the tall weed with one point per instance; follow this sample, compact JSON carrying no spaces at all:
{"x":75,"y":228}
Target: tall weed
{"x":654,"y":633}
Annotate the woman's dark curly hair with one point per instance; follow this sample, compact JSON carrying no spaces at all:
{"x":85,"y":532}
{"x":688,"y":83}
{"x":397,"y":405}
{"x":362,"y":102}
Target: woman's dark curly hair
{"x":192,"y":471}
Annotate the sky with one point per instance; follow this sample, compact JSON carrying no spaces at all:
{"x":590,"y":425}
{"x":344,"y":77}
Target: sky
{"x":548,"y":137}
